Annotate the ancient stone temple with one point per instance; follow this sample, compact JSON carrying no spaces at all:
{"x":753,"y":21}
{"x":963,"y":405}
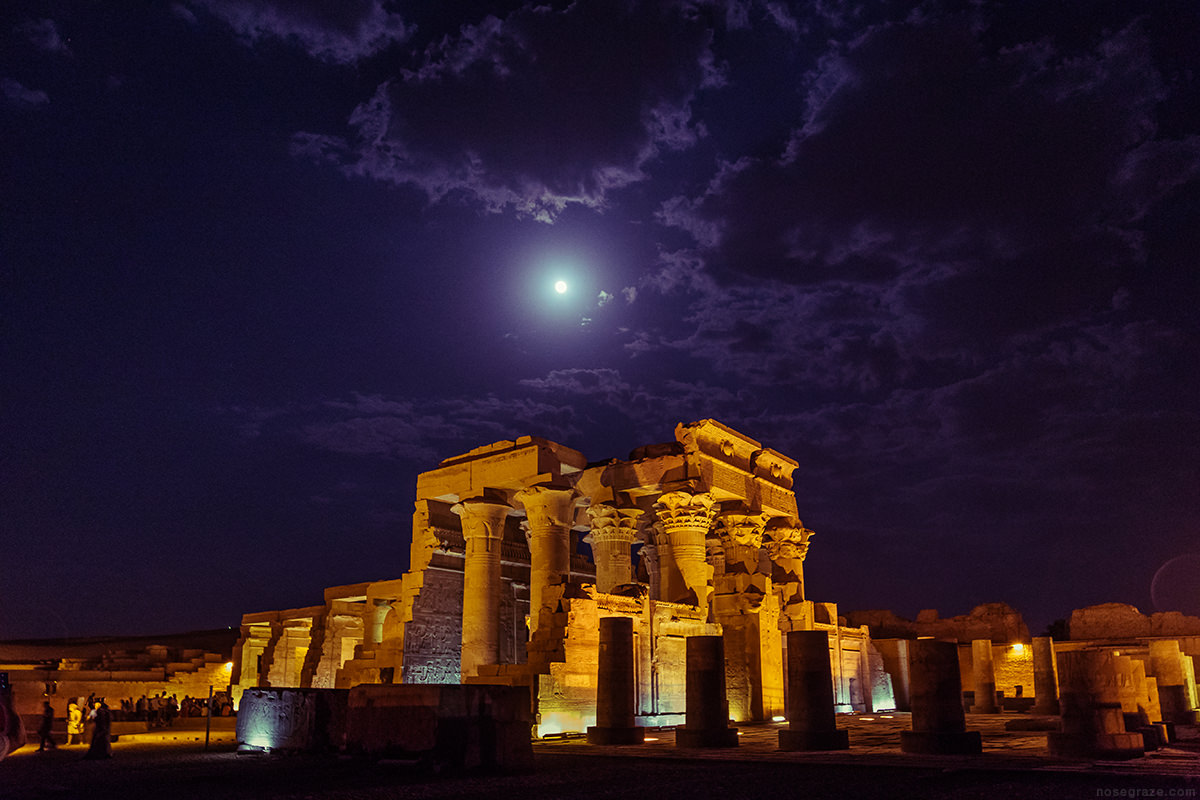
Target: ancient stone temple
{"x":519,"y":548}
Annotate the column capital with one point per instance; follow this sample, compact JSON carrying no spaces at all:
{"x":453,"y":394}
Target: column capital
{"x":787,"y":543}
{"x":547,"y":505}
{"x":685,"y":510}
{"x":744,"y":530}
{"x":482,"y":518}
{"x":610,"y":522}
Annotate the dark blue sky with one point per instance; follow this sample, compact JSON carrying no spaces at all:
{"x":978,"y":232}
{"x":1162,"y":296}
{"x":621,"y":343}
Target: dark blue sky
{"x":262,"y":262}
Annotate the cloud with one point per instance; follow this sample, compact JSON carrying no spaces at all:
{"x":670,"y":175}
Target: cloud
{"x":44,"y":35}
{"x":537,"y":111}
{"x":19,"y":95}
{"x":1016,"y":173}
{"x":343,"y":32}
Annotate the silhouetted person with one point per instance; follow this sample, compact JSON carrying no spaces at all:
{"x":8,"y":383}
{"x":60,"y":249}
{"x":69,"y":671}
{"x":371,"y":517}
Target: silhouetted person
{"x":12,"y":730}
{"x":101,"y":728}
{"x":45,"y":730}
{"x":74,"y":723}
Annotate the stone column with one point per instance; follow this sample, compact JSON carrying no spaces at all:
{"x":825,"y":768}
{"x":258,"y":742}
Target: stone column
{"x":615,"y":686}
{"x":1092,"y":723}
{"x":1166,"y":664}
{"x":938,"y":723}
{"x":483,"y":530}
{"x":377,"y":611}
{"x":686,"y":519}
{"x":652,"y":560}
{"x":707,"y":707}
{"x":985,"y":677}
{"x":550,"y":513}
{"x":1045,"y":682}
{"x":812,"y":724}
{"x":612,"y":535}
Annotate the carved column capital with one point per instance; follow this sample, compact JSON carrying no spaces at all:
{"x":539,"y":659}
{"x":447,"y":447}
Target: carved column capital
{"x":548,"y":506}
{"x":482,"y":518}
{"x":741,"y":536}
{"x":685,"y":510}
{"x":788,"y":543}
{"x":613,"y":532}
{"x":609,"y":522}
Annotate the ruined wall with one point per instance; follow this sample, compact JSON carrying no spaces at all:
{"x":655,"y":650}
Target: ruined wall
{"x":999,"y":622}
{"x":1120,"y":620}
{"x":431,"y":639}
{"x":113,"y":685}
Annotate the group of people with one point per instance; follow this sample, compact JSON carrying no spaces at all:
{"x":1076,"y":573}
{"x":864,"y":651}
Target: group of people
{"x":98,"y":716}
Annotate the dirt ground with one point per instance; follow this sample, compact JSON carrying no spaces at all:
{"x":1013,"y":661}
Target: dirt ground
{"x":184,"y":771}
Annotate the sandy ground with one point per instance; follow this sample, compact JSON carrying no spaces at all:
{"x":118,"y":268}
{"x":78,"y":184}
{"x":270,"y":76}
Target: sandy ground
{"x":181,"y":770}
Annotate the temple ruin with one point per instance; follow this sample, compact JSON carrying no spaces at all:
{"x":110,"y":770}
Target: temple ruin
{"x":519,"y":548}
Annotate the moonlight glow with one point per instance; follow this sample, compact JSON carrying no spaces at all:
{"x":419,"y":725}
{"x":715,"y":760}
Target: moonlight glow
{"x":560,"y":287}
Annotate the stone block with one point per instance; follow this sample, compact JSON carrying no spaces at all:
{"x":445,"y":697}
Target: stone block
{"x":292,"y":720}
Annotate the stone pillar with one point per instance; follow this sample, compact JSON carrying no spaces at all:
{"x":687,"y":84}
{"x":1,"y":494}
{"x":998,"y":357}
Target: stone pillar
{"x":812,"y":724}
{"x":1092,"y":723}
{"x":612,"y":535}
{"x":1166,"y":664}
{"x":938,"y":722}
{"x":686,"y":519}
{"x":267,"y":664}
{"x":550,"y":513}
{"x":483,"y":530}
{"x":377,"y":611}
{"x":651,"y":559}
{"x":707,"y":707}
{"x":615,"y":688}
{"x":985,"y":677}
{"x":1045,"y":682}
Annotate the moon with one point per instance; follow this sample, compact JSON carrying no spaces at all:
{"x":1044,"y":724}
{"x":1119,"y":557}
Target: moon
{"x":1176,"y":585}
{"x":560,"y":287}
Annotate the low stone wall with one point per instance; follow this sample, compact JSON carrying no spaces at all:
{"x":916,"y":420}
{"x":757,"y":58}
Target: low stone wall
{"x":446,"y":725}
{"x":292,"y":720}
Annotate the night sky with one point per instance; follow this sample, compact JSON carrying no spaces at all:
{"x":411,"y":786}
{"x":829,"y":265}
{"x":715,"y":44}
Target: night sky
{"x":263,"y":262}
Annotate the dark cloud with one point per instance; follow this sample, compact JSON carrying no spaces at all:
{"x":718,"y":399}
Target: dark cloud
{"x":342,"y":32}
{"x":481,"y":118}
{"x":1020,"y":171}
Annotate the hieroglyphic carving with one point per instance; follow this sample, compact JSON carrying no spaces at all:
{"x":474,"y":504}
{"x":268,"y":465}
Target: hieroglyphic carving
{"x":431,"y":640}
{"x":276,"y":720}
